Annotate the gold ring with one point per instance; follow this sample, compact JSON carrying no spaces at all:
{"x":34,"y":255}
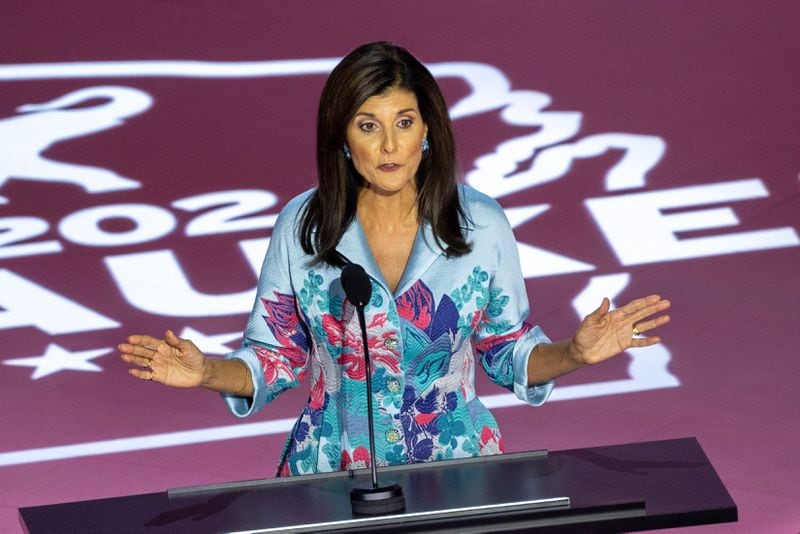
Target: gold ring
{"x":636,"y":331}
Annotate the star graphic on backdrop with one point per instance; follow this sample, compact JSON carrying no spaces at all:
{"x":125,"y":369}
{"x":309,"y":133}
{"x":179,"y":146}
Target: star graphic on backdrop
{"x":56,"y":358}
{"x":209,"y":344}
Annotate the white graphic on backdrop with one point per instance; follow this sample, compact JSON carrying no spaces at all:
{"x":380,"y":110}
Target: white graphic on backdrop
{"x":57,"y":358}
{"x":145,"y":278}
{"x":210,"y":344}
{"x":26,"y":303}
{"x":536,"y":261}
{"x":23,"y":138}
{"x":549,"y":154}
{"x":542,"y":156}
{"x":613,"y":215}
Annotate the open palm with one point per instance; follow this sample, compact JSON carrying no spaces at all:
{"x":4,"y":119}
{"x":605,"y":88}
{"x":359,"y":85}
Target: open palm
{"x":604,"y":333}
{"x":172,"y":361}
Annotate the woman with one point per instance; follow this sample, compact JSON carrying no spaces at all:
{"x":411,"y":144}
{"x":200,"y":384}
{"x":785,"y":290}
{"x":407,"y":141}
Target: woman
{"x":447,"y":292}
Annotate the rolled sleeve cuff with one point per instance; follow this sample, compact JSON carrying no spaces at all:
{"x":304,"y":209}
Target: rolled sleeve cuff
{"x":242,"y":406}
{"x":535,"y":395}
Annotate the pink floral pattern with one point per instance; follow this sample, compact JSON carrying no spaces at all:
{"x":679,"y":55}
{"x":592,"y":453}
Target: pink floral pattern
{"x":427,"y":342}
{"x":359,"y":460}
{"x":275,"y":366}
{"x":429,"y":409}
{"x":284,"y":323}
{"x":416,"y":306}
{"x":347,"y":336}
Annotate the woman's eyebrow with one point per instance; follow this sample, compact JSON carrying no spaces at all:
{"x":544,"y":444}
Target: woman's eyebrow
{"x":401,"y":112}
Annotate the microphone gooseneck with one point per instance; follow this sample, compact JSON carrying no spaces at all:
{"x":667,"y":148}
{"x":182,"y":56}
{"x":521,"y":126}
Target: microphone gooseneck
{"x":376,"y":500}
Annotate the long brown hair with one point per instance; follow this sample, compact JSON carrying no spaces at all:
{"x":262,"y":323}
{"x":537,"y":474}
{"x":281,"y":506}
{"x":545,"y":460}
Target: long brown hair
{"x":371,"y":70}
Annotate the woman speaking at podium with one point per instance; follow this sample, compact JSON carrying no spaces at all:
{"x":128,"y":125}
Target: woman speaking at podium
{"x":447,"y":296}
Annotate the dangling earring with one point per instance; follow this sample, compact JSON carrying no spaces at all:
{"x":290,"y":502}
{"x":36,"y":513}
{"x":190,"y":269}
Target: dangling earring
{"x":425,"y":145}
{"x":346,"y":151}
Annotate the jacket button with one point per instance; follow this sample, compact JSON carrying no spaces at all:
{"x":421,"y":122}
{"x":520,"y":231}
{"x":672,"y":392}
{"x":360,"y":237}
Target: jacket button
{"x":393,"y":435}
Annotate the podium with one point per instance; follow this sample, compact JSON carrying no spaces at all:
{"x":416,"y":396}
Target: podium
{"x":638,"y":486}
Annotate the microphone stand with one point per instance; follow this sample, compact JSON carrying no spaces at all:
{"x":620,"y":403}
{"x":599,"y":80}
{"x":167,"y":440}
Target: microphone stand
{"x":374,"y":500}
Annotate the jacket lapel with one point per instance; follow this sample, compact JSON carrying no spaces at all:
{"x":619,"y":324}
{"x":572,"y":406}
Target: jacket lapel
{"x":424,"y":252}
{"x":353,"y":246}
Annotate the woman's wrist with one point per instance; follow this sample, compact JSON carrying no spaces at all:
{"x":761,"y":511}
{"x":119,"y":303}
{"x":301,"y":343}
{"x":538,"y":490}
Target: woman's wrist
{"x":231,"y":376}
{"x":246,"y":380}
{"x":548,"y":361}
{"x":209,"y":373}
{"x":574,"y":354}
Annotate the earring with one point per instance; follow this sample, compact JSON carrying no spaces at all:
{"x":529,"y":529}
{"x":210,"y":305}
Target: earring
{"x":425,"y":145}
{"x":346,"y":150}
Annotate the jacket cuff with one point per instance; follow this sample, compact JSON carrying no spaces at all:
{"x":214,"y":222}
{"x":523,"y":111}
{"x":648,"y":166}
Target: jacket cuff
{"x":245,"y":406}
{"x":537,"y":394}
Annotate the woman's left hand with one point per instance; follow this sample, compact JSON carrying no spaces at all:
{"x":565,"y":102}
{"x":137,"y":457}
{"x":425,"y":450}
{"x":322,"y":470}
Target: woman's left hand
{"x":603,"y":334}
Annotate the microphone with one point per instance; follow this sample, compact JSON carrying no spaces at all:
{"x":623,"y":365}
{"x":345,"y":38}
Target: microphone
{"x":356,"y":284}
{"x":374,"y":500}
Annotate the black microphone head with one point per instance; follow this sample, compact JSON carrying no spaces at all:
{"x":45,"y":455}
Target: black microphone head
{"x":356,"y":284}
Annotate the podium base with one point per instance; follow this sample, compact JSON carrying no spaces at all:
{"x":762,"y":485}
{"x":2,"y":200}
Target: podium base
{"x":377,"y":501}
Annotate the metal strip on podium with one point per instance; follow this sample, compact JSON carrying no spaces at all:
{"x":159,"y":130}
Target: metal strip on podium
{"x":409,"y":519}
{"x":188,"y":491}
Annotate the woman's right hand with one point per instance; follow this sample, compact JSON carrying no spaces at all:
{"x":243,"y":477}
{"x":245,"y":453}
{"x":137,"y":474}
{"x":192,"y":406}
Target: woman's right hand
{"x":172,"y":361}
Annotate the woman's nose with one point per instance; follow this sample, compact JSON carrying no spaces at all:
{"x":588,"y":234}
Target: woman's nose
{"x":388,"y":144}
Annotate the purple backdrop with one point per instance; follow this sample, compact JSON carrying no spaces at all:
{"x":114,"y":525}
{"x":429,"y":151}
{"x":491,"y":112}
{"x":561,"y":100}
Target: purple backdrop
{"x":638,"y":147}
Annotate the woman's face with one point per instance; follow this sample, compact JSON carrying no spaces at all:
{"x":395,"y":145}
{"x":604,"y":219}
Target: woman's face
{"x":385,"y":140}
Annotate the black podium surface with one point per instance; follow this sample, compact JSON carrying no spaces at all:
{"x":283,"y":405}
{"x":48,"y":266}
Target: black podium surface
{"x":637,"y":486}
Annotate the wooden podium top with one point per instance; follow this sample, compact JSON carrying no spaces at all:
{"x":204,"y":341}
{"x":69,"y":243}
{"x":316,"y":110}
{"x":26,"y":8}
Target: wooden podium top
{"x":637,"y":486}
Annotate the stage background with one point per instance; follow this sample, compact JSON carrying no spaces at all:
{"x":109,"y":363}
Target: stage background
{"x":638,"y":147}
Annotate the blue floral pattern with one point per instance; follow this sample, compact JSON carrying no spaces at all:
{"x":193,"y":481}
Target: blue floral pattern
{"x":424,"y":343}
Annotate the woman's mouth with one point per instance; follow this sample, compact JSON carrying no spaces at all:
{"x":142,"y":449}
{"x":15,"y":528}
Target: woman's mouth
{"x":389,"y":167}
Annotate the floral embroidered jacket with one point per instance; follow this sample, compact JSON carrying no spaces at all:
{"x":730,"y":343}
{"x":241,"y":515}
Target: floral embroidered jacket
{"x":447,"y":317}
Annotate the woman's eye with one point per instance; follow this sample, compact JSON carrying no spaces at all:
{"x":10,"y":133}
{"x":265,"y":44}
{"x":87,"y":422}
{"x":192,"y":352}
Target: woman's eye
{"x":368,"y":126}
{"x":405,"y":123}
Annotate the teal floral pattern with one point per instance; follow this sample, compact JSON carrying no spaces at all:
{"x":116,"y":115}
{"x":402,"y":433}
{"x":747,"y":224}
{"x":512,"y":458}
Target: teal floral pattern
{"x":422,"y":391}
{"x":425,"y":342}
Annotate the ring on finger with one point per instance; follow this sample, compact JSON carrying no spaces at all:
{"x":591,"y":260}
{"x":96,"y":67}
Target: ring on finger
{"x":636,"y":331}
